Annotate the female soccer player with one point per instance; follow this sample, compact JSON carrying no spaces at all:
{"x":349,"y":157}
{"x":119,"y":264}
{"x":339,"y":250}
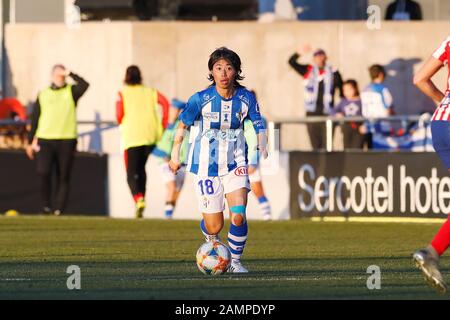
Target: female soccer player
{"x":217,"y":154}
{"x":254,"y":169}
{"x":427,"y":259}
{"x":173,"y":182}
{"x":141,"y":127}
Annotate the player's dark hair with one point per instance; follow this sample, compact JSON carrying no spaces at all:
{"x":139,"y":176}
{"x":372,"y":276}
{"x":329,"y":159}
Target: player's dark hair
{"x":133,"y":75}
{"x":232,"y":57}
{"x":375,"y":70}
{"x":354,"y":84}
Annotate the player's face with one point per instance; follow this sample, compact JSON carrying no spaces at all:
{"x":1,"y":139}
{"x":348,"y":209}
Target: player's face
{"x":320,"y":60}
{"x":223,"y":73}
{"x":59,"y":76}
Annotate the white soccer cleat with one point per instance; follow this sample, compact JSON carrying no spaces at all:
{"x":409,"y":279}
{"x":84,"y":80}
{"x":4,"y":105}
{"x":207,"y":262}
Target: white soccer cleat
{"x":267,"y":217}
{"x":237,"y":267}
{"x":427,"y":260}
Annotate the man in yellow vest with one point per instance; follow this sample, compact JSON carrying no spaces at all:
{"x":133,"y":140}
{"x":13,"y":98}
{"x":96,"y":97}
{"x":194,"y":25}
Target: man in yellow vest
{"x":53,"y":135}
{"x":141,"y":127}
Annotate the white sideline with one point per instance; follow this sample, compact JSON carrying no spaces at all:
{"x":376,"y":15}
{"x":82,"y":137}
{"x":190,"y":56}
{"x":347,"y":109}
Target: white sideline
{"x":379,"y":219}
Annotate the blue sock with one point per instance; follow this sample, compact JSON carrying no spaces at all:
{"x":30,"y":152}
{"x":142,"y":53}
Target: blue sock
{"x":169,"y":210}
{"x":203,"y":228}
{"x":264,"y":206}
{"x":262,"y":199}
{"x":237,"y":236}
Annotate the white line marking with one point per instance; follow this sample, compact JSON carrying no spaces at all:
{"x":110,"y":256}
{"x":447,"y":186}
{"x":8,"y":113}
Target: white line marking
{"x":379,"y":219}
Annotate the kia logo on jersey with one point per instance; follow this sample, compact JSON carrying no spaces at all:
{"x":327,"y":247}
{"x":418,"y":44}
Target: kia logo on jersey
{"x":241,"y":171}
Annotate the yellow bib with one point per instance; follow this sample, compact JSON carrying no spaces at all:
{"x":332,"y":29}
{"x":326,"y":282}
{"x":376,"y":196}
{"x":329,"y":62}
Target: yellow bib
{"x":141,"y":124}
{"x":58,"y":115}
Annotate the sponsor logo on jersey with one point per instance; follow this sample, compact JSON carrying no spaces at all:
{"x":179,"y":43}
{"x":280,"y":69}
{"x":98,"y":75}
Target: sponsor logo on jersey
{"x":241,"y":171}
{"x":227,"y":134}
{"x":211,"y":116}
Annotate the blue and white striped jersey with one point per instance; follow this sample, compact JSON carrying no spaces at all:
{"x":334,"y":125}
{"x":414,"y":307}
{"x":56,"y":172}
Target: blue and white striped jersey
{"x":216,"y":141}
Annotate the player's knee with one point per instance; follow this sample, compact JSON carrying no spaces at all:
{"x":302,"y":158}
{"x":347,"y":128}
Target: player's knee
{"x":213,"y":227}
{"x":237,"y":215}
{"x":238,"y":220}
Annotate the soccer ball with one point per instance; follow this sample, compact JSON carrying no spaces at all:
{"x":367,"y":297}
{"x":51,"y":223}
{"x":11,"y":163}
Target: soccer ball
{"x":213,"y":258}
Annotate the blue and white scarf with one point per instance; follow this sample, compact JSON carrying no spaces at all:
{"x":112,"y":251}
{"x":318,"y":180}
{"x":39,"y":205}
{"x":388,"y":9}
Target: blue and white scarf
{"x":312,"y":89}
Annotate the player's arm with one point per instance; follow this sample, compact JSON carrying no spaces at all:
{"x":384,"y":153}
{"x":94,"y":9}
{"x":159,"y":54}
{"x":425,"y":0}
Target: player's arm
{"x":259,"y":126}
{"x":174,"y":163}
{"x":120,"y":113}
{"x":34,"y":124}
{"x":422,"y":79}
{"x":251,"y":140}
{"x":188,"y":116}
{"x":262,"y":144}
{"x":79,"y":88}
{"x":164,"y":103}
{"x":176,"y":106}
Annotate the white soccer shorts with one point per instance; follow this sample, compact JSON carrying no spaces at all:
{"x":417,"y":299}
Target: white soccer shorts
{"x":211,"y":191}
{"x":169,"y":176}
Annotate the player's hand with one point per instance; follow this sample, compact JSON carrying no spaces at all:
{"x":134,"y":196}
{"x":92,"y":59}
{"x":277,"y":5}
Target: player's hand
{"x":263,"y":154}
{"x":174,"y":165}
{"x":30,"y":152}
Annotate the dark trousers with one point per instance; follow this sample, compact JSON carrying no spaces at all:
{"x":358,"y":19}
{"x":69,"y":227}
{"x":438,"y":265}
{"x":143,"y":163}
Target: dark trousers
{"x":135,"y":160}
{"x":317,"y":135}
{"x":55,"y":156}
{"x":352,"y":138}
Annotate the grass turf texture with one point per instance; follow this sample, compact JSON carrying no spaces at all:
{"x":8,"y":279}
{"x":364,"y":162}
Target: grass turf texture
{"x":155,"y":259}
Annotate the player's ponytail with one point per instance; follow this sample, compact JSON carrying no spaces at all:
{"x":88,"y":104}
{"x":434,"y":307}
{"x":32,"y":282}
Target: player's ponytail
{"x":232,"y":57}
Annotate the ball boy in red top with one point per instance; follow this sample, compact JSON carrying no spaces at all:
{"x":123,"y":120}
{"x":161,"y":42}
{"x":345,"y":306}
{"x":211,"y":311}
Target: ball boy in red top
{"x":427,"y":259}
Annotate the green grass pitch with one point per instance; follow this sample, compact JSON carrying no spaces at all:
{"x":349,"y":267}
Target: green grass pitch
{"x":155,"y":259}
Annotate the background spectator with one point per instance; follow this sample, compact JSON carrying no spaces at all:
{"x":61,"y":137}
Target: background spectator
{"x":404,"y":10}
{"x":11,"y":108}
{"x":321,"y":81}
{"x":12,"y":136}
{"x":377,"y":102}
{"x":350,"y":106}
{"x":53,"y":135}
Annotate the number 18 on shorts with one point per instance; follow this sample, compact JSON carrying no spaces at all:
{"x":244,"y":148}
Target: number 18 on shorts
{"x":211,"y":191}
